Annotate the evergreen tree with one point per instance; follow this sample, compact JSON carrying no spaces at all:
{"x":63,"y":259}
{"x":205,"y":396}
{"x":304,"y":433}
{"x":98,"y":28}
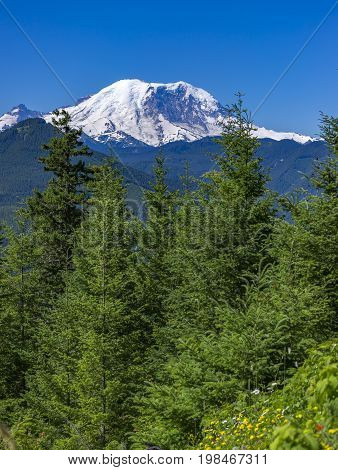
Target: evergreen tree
{"x":109,"y":370}
{"x":223,"y":233}
{"x":18,"y":310}
{"x":241,"y":208}
{"x":155,"y":242}
{"x":56,"y":212}
{"x":92,"y":351}
{"x":38,"y":254}
{"x":314,"y":236}
{"x":219,"y":245}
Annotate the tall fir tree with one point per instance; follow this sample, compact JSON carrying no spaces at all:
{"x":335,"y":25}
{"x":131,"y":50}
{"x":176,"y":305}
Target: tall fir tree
{"x":92,"y":351}
{"x":18,"y":309}
{"x":220,"y":244}
{"x":156,"y":241}
{"x":224,"y":230}
{"x":115,"y":338}
{"x":57,"y":212}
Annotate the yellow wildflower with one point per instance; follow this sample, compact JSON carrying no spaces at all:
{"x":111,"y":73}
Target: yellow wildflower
{"x":327,"y":447}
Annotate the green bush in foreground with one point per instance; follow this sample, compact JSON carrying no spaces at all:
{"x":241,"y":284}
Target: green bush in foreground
{"x":301,"y":416}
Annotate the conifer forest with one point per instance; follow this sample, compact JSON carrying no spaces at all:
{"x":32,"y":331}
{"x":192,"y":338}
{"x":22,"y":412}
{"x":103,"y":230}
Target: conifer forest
{"x":198,"y":317}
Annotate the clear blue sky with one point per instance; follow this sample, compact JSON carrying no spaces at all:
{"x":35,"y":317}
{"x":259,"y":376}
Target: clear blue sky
{"x":220,"y":45}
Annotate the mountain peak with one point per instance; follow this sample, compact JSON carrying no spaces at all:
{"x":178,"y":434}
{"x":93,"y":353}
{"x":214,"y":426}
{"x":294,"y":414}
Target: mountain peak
{"x":151,"y":113}
{"x":17,"y":114}
{"x":18,"y":108}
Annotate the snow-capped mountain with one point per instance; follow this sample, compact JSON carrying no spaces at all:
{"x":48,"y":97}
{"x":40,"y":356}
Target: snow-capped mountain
{"x":134,"y":113}
{"x":152,"y":113}
{"x":17,"y":114}
{"x":131,"y":111}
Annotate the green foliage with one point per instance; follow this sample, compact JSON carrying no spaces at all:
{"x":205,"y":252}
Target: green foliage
{"x":96,"y":333}
{"x":18,"y":309}
{"x":302,"y":415}
{"x":260,"y":344}
{"x":223,"y":229}
{"x":155,"y":241}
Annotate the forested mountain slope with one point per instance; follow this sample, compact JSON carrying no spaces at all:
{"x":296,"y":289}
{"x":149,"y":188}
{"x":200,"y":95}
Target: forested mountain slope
{"x":286,"y":160}
{"x":21,"y":172}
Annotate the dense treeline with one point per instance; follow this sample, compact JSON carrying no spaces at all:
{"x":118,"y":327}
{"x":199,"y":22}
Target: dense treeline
{"x":117,"y":332}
